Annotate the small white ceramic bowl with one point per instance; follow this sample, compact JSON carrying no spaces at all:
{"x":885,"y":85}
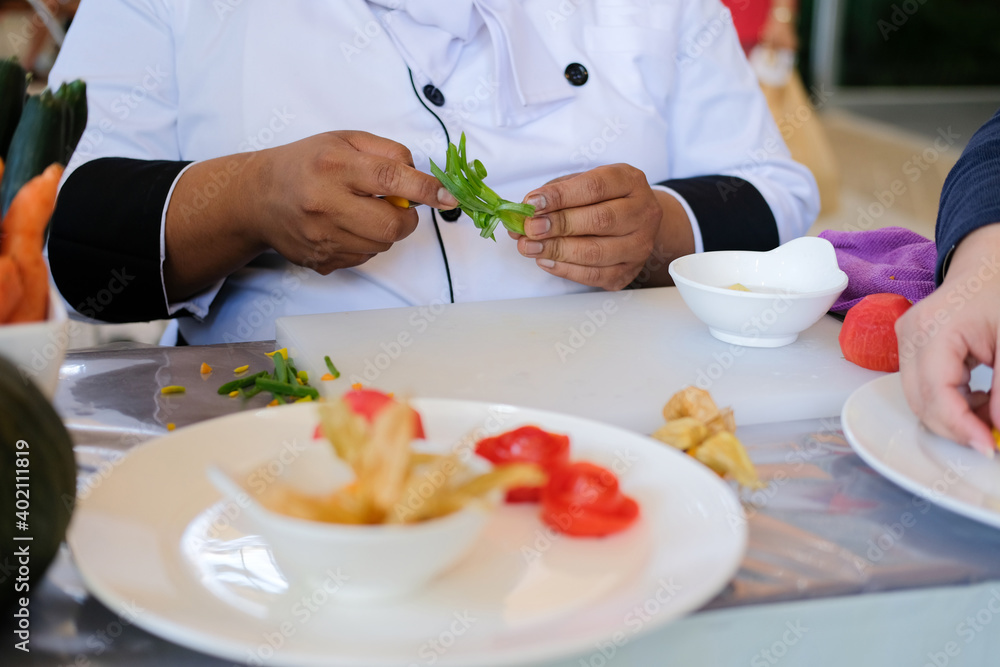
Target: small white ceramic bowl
{"x":367,"y":562}
{"x":37,"y":349}
{"x":791,"y":287}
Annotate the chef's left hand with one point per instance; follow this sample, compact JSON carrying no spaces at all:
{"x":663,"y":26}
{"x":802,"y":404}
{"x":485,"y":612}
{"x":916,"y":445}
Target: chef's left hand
{"x":600,"y":228}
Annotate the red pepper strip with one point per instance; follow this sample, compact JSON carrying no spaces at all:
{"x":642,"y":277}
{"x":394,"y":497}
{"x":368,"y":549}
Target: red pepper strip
{"x":527,"y":444}
{"x":583,"y":500}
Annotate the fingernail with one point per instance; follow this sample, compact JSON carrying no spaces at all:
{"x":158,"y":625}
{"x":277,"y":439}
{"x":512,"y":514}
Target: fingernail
{"x":447,"y":198}
{"x":532,"y":248}
{"x":538,"y":201}
{"x":545,"y":263}
{"x":537,"y":226}
{"x":986,"y":449}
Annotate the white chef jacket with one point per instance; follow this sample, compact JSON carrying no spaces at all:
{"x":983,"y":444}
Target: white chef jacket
{"x":669,"y":92}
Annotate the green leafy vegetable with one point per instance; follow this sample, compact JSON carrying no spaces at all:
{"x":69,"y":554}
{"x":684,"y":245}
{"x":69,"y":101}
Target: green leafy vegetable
{"x":464,"y":180}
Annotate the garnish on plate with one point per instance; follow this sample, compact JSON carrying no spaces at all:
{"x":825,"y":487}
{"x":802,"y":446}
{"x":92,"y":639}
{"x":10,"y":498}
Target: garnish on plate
{"x":373,"y":434}
{"x":695,"y":425}
{"x":464,"y":180}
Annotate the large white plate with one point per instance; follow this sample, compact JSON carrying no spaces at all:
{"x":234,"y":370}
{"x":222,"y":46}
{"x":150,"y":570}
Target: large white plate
{"x":144,"y":540}
{"x":885,"y":433}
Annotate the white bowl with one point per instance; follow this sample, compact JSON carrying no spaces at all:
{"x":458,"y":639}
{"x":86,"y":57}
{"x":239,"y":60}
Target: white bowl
{"x":37,"y":349}
{"x":792,"y":287}
{"x":366,"y":562}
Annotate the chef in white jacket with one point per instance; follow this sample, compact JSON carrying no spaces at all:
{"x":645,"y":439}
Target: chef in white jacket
{"x":234,"y":151}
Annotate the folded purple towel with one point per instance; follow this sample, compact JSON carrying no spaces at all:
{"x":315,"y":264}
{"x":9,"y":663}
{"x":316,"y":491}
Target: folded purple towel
{"x":891,"y":259}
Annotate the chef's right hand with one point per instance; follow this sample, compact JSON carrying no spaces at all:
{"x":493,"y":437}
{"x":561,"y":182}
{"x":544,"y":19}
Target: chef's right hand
{"x":943,"y":337}
{"x":318,"y":207}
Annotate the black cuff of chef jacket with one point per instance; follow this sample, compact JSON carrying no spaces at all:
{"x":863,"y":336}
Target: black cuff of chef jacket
{"x":731,"y":212}
{"x":104,"y":239}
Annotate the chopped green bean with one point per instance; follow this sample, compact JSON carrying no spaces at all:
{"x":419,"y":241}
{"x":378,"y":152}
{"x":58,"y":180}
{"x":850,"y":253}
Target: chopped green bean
{"x":240,"y":383}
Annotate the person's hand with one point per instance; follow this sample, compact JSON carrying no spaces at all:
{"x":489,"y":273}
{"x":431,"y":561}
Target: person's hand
{"x":952,"y":331}
{"x":314,"y":201}
{"x":599,"y":228}
{"x":319,"y":206}
{"x":779,"y":35}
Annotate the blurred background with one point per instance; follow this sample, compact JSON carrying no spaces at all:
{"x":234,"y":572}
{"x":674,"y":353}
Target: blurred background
{"x":891,"y":92}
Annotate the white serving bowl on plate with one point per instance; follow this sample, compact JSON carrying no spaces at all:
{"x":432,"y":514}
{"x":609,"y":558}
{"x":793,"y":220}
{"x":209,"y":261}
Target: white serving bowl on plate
{"x":362,"y":562}
{"x":37,"y":349}
{"x":791,"y":287}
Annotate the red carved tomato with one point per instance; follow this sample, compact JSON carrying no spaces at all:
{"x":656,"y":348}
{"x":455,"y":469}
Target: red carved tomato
{"x":868,"y":336}
{"x":528,"y":444}
{"x":369,"y":402}
{"x":583,"y":500}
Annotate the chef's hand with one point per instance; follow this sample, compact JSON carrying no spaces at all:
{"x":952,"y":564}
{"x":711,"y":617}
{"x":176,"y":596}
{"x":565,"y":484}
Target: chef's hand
{"x":318,"y":208}
{"x":312,"y":201}
{"x":944,"y":336}
{"x":603,"y":227}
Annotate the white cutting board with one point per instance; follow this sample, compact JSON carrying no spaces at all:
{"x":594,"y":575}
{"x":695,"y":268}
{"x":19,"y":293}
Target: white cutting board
{"x":614,"y":357}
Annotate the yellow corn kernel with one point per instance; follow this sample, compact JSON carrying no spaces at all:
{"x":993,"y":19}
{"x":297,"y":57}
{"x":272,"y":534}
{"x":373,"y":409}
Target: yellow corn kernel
{"x":234,"y":393}
{"x":172,"y":389}
{"x":241,"y":369}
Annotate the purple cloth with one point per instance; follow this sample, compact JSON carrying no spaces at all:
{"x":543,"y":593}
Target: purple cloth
{"x":891,"y":259}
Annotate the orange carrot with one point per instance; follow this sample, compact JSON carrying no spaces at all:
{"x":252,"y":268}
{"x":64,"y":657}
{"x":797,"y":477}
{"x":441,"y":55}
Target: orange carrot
{"x":34,"y":305}
{"x":23,"y":237}
{"x":11,"y":289}
{"x":31,"y":208}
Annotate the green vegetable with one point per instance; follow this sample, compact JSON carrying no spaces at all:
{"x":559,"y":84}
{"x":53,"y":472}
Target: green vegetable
{"x":48,"y":131}
{"x":464,"y":180}
{"x":240,"y":383}
{"x":281,"y":368}
{"x":285,"y":388}
{"x":38,"y":495}
{"x":13,"y":87}
{"x":330,"y":367}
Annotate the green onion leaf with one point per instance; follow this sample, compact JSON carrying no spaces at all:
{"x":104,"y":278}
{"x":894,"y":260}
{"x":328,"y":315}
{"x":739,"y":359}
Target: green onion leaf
{"x":488,"y":210}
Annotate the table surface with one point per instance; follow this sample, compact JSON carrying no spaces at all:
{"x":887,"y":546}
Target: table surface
{"x":824,"y":527}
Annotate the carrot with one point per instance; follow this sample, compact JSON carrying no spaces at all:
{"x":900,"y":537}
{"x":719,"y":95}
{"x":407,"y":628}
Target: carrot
{"x":23,"y":237}
{"x":34,"y":305}
{"x":11,"y":289}
{"x":31,"y":208}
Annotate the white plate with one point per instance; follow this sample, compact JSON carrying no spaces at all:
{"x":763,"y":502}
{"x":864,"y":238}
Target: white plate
{"x":143,"y":539}
{"x":885,"y":433}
